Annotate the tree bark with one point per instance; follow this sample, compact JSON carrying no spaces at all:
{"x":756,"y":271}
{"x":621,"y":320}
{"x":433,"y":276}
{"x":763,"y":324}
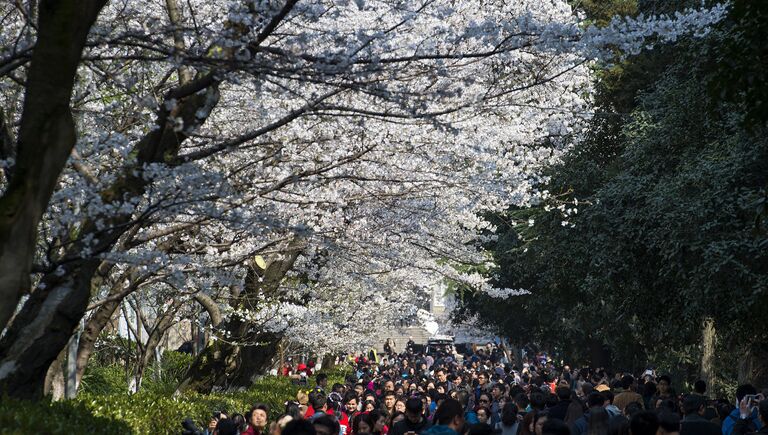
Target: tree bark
{"x":43,"y":326}
{"x":46,"y":138}
{"x":227,"y":365}
{"x":100,"y":319}
{"x":753,"y":367}
{"x":708,"y":343}
{"x":155,"y":335}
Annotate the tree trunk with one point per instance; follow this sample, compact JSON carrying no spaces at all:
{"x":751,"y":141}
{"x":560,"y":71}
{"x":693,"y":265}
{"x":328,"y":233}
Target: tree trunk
{"x":600,"y":355}
{"x":155,"y":335}
{"x":54,"y":380}
{"x":98,"y":321}
{"x":43,"y":326}
{"x":753,"y":367}
{"x":46,"y":138}
{"x":708,"y":343}
{"x":227,"y":365}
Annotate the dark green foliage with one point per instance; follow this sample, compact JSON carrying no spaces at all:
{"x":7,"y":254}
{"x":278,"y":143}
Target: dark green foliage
{"x":670,"y":230}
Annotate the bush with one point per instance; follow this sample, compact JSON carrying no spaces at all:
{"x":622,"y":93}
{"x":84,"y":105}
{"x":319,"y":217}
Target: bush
{"x":104,"y":406}
{"x":67,"y":417}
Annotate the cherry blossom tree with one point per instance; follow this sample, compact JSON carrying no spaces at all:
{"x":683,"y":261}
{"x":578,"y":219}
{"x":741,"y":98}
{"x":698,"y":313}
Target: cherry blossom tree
{"x":309,"y":165}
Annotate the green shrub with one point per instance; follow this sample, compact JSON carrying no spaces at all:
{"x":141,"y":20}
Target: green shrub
{"x":103,"y":405}
{"x":110,"y":379}
{"x":44,"y":417}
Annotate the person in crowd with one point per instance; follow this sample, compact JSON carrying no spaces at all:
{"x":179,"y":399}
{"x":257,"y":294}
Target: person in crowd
{"x":257,"y":419}
{"x":694,"y":422}
{"x":746,"y":425}
{"x":414,"y":421}
{"x":644,"y":423}
{"x":669,"y":423}
{"x":448,"y":419}
{"x":594,"y":400}
{"x":598,"y":421}
{"x":554,"y":426}
{"x":560,"y":410}
{"x":486,"y":393}
{"x":628,"y":393}
{"x":743,"y":412}
{"x":510,"y":420}
{"x":483,"y":415}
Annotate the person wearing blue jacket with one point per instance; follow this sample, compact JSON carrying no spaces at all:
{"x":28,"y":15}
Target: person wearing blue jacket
{"x":742,"y":413}
{"x":448,"y":420}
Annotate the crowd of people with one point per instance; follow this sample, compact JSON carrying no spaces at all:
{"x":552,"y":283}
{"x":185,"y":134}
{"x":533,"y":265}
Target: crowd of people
{"x":484,"y":393}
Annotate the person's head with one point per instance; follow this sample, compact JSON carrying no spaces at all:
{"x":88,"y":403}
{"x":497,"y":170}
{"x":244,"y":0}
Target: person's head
{"x":631,"y":409}
{"x":413,"y":409}
{"x":743,"y":390}
{"x":669,"y":423}
{"x":497,"y":391}
{"x":259,"y":414}
{"x":595,"y":399}
{"x":319,"y":402}
{"x":360,"y":424}
{"x":322,"y":380}
{"x":483,"y":414}
{"x":240,"y":422}
{"x":326,"y":425}
{"x":509,"y":414}
{"x":538,"y":400}
{"x":369,"y":405}
{"x":292,"y":409}
{"x":649,"y":389}
{"x":700,"y":387}
{"x":359,"y":389}
{"x":377,"y":420}
{"x":350,"y":403}
{"x":554,"y":426}
{"x":450,"y":413}
{"x":693,"y":404}
{"x":563,"y":393}
{"x":441,"y":375}
{"x":627,"y":382}
{"x":226,"y":426}
{"x":389,"y":400}
{"x":484,"y":400}
{"x":482,"y":379}
{"x":644,"y":423}
{"x":299,"y":427}
{"x":389,"y":386}
{"x":664,"y":384}
{"x":522,"y":402}
{"x":400,"y":405}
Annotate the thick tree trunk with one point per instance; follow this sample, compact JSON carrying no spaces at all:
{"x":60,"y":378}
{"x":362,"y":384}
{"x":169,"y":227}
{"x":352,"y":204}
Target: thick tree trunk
{"x":223,"y":365}
{"x":46,"y":138}
{"x":43,"y":326}
{"x":600,"y":355}
{"x":708,"y":343}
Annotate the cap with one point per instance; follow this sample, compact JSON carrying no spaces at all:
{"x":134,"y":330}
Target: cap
{"x":602,"y":387}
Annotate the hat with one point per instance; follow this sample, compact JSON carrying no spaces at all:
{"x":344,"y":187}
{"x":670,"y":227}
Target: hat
{"x":602,"y":387}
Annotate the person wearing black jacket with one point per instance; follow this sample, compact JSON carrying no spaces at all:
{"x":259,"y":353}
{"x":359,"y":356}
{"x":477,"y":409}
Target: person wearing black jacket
{"x":414,"y":422}
{"x":694,"y":422}
{"x":560,"y":410}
